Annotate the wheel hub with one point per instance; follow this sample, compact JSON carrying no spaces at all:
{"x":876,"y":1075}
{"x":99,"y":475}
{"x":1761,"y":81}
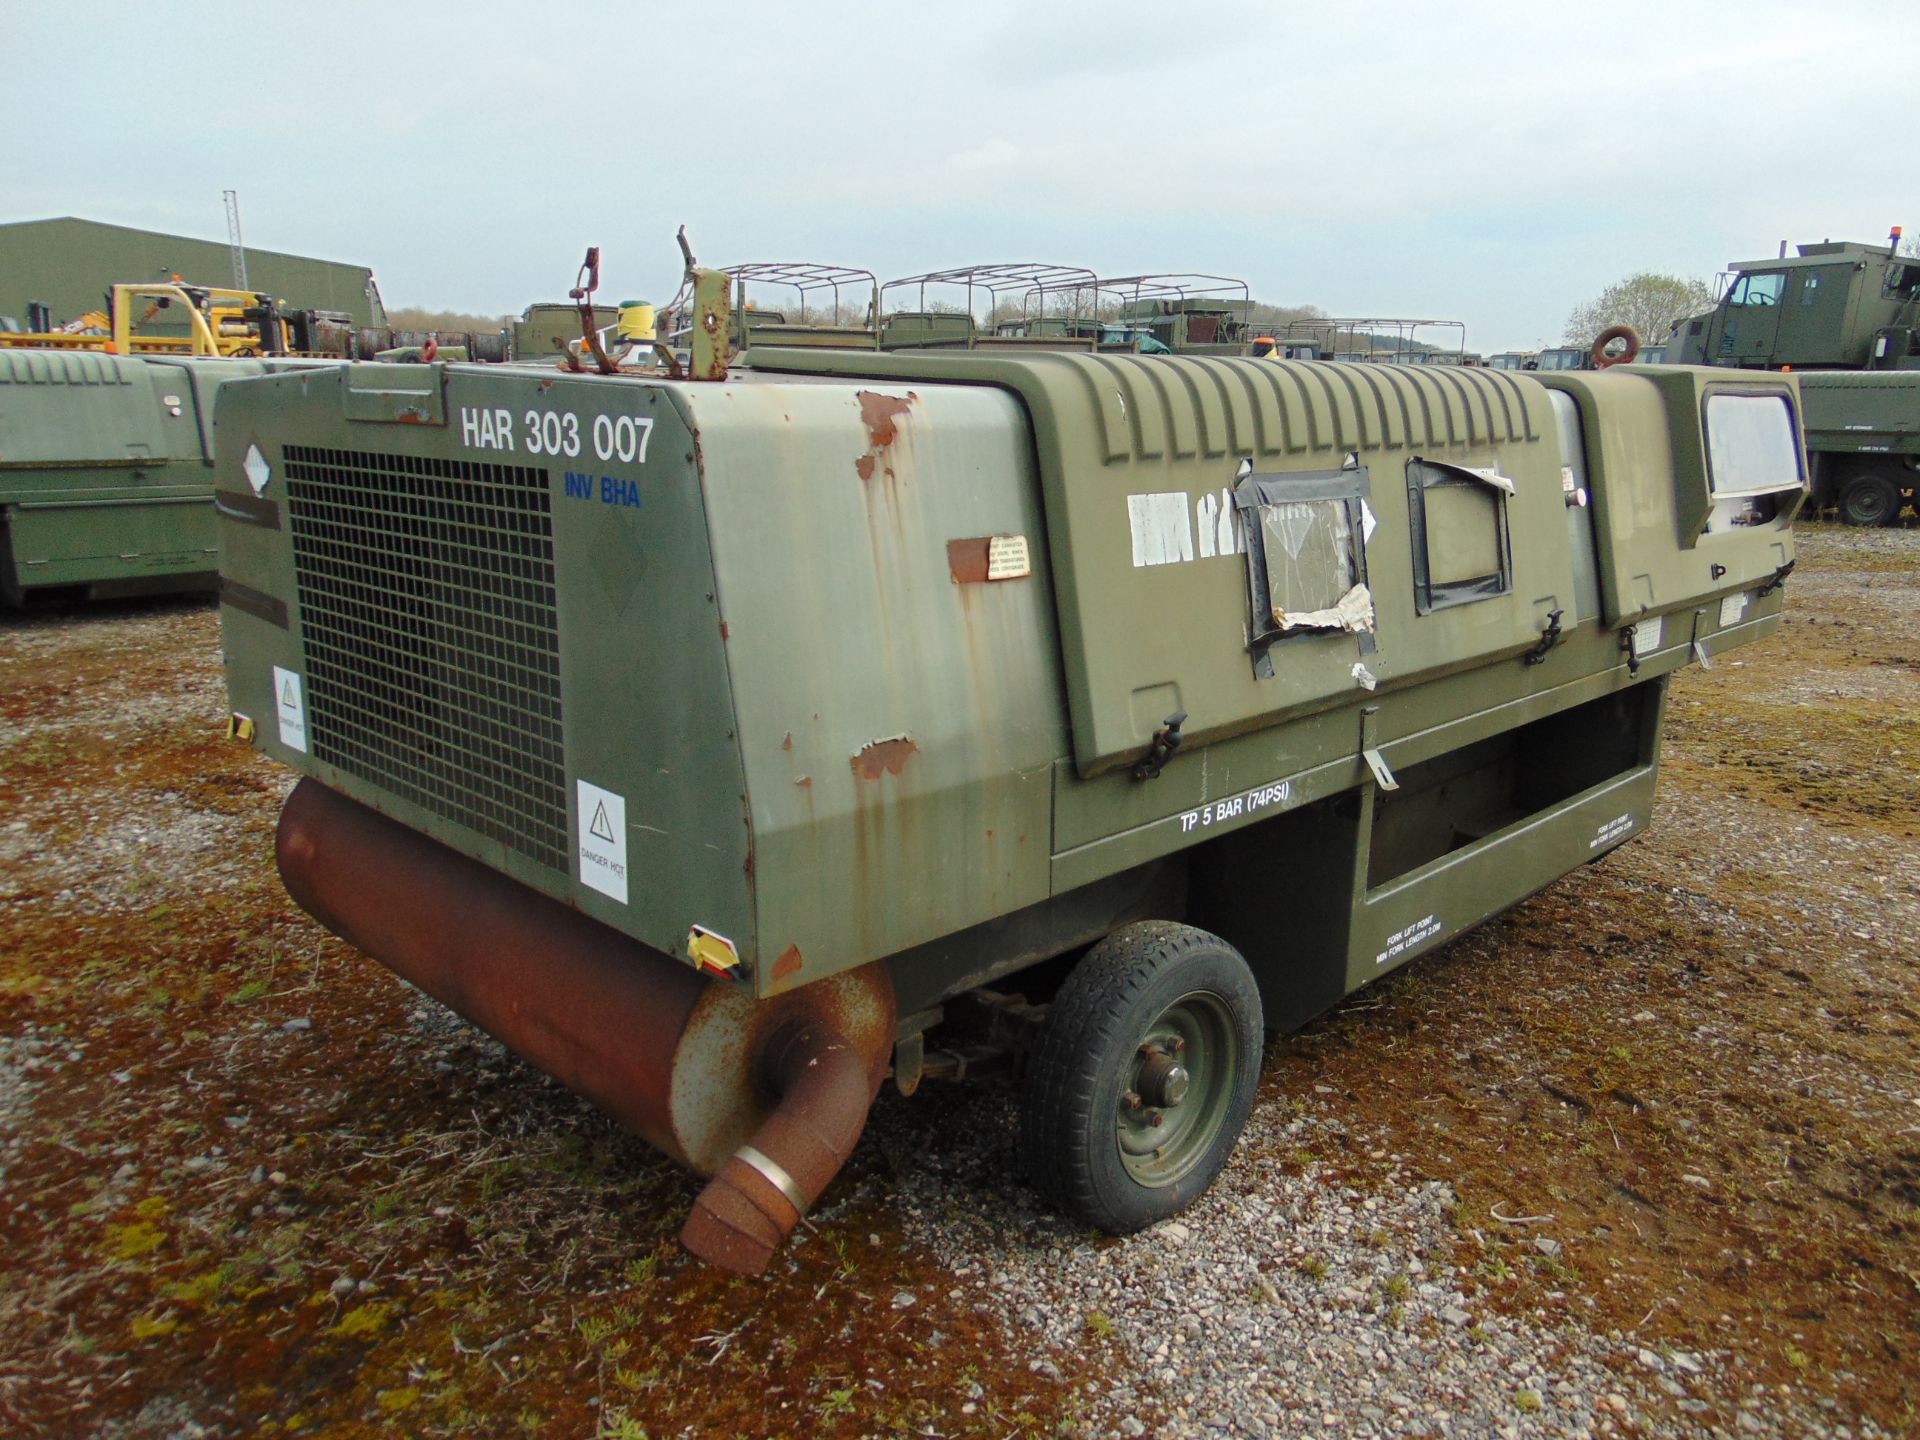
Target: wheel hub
{"x":1176,"y":1089}
{"x":1164,"y":1082}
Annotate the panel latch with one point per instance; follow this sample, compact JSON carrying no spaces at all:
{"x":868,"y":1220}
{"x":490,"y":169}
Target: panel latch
{"x":1627,"y":635}
{"x":1166,"y":742}
{"x":1549,"y":638}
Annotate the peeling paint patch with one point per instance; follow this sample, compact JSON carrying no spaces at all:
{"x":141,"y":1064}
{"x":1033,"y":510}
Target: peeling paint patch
{"x":789,"y":963}
{"x":878,"y":413}
{"x":883,"y":757}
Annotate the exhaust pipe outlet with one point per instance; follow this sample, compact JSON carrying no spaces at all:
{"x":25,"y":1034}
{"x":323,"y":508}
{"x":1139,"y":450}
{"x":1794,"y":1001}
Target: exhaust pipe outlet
{"x":768,"y":1184}
{"x":768,"y":1095}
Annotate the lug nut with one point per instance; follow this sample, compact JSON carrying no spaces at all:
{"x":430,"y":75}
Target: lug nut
{"x":1134,"y":1102}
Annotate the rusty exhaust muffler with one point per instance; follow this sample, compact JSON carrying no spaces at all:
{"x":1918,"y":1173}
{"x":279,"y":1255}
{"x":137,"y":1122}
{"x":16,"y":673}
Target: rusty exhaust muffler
{"x":755,"y":1201}
{"x":772,"y":1095}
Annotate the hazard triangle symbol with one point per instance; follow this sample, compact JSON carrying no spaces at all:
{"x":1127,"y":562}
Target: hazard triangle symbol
{"x":287,"y":697}
{"x":601,"y":826}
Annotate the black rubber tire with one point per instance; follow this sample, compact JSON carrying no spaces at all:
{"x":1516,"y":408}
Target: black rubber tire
{"x":1869,"y":500}
{"x":1078,"y":1073}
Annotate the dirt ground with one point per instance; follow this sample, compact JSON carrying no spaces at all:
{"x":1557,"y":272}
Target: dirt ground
{"x":251,"y":1185}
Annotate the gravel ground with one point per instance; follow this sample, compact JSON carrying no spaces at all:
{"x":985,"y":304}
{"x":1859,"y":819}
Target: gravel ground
{"x":1286,"y":1302}
{"x":1636,"y":1159}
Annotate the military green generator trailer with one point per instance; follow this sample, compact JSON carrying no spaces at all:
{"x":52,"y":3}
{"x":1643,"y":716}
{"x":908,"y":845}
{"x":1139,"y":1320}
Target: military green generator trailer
{"x":726,"y":747}
{"x":106,"y":465}
{"x":1846,"y":316}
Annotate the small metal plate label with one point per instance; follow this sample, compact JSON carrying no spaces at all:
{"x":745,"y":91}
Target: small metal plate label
{"x":1646,"y":636}
{"x":603,"y":840}
{"x":291,"y":708}
{"x":1732,"y":608}
{"x":1008,"y":557}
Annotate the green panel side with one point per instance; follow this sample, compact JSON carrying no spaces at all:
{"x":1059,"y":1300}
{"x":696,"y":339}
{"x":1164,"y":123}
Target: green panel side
{"x":1870,"y":413}
{"x":105,"y":475}
{"x":899,"y":714}
{"x":1415,"y":912}
{"x":1116,"y":434}
{"x":645,"y":702}
{"x":1651,"y":497}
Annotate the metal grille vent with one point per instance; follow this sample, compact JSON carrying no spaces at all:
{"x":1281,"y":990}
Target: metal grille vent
{"x":432,"y":644}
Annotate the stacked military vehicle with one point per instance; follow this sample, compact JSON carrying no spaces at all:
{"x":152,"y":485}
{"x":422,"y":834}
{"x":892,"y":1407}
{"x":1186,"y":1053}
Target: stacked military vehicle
{"x":728,"y":736}
{"x":106,"y":423}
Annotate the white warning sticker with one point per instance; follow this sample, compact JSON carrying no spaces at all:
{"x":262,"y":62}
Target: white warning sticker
{"x":1732,"y":608}
{"x":1647,"y":635}
{"x":291,"y":706}
{"x":1008,"y":557}
{"x":603,"y":841}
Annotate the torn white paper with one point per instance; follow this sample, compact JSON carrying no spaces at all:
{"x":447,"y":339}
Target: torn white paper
{"x":1353,"y":612}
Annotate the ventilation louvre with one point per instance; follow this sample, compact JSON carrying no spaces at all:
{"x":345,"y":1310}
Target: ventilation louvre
{"x":431,"y":636}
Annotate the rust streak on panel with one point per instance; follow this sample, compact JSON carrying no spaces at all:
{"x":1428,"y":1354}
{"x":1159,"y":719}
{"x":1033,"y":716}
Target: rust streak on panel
{"x":789,"y":963}
{"x":883,"y":757}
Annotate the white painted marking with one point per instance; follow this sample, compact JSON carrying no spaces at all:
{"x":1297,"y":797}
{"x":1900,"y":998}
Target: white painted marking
{"x":1611,"y":832}
{"x":1162,"y":529}
{"x":1219,"y":525}
{"x":1402,"y":941}
{"x":257,"y":469}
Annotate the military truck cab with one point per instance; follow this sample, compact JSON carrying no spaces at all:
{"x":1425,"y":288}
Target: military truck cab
{"x":1840,"y":306}
{"x":1847,"y":317}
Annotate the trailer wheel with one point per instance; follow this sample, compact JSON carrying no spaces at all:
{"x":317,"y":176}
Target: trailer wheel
{"x":1143,"y":1076}
{"x":1869,"y":500}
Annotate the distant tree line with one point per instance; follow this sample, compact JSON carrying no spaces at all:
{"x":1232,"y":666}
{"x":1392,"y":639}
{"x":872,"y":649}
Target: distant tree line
{"x":414,"y":317}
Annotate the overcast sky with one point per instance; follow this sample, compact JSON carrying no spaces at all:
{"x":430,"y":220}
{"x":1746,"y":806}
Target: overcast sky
{"x":1493,"y":161}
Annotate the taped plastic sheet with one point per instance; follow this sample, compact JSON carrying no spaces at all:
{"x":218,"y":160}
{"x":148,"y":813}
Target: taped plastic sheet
{"x":1311,"y":583}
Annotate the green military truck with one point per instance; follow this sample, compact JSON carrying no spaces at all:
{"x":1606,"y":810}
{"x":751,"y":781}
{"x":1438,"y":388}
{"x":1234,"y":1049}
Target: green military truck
{"x":728,"y":746}
{"x":1846,"y":316}
{"x":106,"y":465}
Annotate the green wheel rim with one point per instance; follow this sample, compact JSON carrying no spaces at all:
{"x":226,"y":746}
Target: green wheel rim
{"x":1176,"y":1089}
